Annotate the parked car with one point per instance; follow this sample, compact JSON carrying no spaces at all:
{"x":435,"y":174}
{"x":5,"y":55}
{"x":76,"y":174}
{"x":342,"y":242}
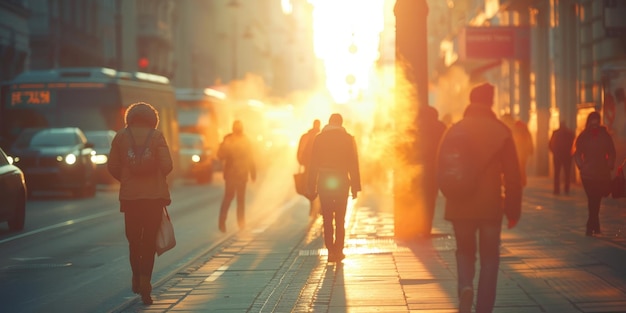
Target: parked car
{"x":196,"y":158}
{"x":56,"y":159}
{"x":101,"y":140}
{"x":12,"y":193}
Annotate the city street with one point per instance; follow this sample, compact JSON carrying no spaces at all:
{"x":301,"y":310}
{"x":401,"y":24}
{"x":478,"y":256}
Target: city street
{"x":73,"y":255}
{"x":547,"y":265}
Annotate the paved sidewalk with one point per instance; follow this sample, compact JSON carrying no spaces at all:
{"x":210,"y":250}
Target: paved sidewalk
{"x":547,"y":265}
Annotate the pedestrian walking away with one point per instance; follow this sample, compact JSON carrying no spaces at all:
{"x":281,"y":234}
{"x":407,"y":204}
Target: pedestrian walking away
{"x":235,"y":152}
{"x":142,"y":194}
{"x":305,"y":148}
{"x":333,"y":174}
{"x":480,"y":212}
{"x":595,"y":158}
{"x":561,"y":144}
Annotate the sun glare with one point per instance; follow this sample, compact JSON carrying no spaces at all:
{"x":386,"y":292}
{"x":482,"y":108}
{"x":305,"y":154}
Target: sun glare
{"x":346,"y":38}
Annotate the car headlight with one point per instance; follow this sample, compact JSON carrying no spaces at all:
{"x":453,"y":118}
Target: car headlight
{"x":70,"y":159}
{"x":11,"y":160}
{"x":195,"y":158}
{"x":99,"y":159}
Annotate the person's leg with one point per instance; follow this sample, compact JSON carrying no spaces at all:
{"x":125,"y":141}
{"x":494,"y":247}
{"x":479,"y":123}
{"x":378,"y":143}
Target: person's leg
{"x":341,"y":204}
{"x":593,"y":189}
{"x":465,"y":235}
{"x":133,"y":236}
{"x":557,"y":175}
{"x":327,"y":219}
{"x":240,"y":191}
{"x":567,"y":171}
{"x":489,"y":246}
{"x":229,"y":194}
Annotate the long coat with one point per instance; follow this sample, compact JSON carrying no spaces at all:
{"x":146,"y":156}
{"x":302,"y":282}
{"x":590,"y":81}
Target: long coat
{"x":495,"y":147}
{"x":334,"y":166}
{"x":595,"y":154}
{"x":133,"y":187}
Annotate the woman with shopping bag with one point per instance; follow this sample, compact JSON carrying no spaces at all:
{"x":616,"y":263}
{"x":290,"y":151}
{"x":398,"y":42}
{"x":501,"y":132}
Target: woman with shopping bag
{"x":140,"y":160}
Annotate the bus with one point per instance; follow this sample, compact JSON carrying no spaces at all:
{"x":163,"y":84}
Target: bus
{"x":203,"y":111}
{"x":93,"y":99}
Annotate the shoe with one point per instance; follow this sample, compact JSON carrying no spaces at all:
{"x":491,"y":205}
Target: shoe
{"x":466,"y":300}
{"x":332,"y":257}
{"x":146,"y":289}
{"x":339,"y":257}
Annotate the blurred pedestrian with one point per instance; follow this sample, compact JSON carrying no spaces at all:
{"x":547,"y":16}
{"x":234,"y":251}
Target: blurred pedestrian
{"x":429,"y":133}
{"x":481,"y":213}
{"x":595,"y":159}
{"x":236,"y":153}
{"x":333,"y":173}
{"x":305,"y":148}
{"x":142,"y":197}
{"x":561,"y":143}
{"x":523,"y":142}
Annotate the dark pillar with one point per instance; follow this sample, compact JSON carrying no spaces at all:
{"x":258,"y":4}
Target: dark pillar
{"x":412,"y":63}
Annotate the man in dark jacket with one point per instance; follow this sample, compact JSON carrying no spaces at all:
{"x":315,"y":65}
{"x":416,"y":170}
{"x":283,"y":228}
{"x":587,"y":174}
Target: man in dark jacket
{"x":482,"y":211}
{"x":595,"y":158}
{"x":333,"y":173}
{"x":561,"y":146}
{"x":236,"y":153}
{"x":305,"y":148}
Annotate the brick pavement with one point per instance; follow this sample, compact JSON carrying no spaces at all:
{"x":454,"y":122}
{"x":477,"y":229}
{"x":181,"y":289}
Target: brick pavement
{"x":547,"y":265}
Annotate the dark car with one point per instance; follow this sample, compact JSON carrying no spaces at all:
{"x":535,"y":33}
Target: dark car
{"x":12,"y":193}
{"x":56,"y":159}
{"x":196,"y":158}
{"x":101,"y":140}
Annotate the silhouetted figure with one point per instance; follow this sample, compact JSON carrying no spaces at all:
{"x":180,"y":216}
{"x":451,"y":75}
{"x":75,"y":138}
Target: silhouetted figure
{"x":595,"y":159}
{"x":429,"y":133}
{"x":236,"y":153}
{"x":333,"y":173}
{"x":523,"y":143}
{"x":561,"y":143}
{"x":480,"y":214}
{"x":142,"y":197}
{"x":305,"y":149}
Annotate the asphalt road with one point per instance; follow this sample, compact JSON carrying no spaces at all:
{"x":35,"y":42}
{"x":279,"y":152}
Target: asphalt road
{"x":73,"y":252}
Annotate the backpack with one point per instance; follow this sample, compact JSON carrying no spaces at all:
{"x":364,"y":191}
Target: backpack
{"x":456,"y":165}
{"x":141,"y":159}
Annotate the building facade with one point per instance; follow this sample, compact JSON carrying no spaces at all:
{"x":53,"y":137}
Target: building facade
{"x":575,"y":58}
{"x":14,"y":37}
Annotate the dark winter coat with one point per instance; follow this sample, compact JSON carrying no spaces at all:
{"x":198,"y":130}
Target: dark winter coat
{"x":334,"y":166}
{"x":495,"y":147}
{"x":595,"y":154}
{"x":561,"y":143}
{"x":235,"y":151}
{"x":305,"y":146}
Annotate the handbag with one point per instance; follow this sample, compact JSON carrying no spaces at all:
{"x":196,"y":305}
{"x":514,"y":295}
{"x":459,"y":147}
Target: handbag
{"x":165,"y":239}
{"x":618,"y":184}
{"x":301,"y":184}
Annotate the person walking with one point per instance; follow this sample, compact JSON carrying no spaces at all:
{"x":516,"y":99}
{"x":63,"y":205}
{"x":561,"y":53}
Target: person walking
{"x":305,"y":147}
{"x":142,"y":197}
{"x":236,"y":153}
{"x":430,"y":130}
{"x":481,"y":212}
{"x":595,"y":158}
{"x":333,"y":174}
{"x":560,"y":145}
